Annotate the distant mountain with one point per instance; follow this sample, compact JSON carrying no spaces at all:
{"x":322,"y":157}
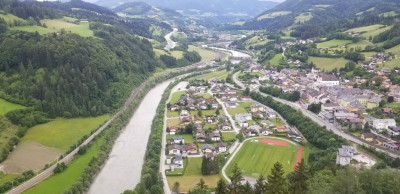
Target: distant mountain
{"x":231,"y":10}
{"x":294,"y":12}
{"x":145,"y":10}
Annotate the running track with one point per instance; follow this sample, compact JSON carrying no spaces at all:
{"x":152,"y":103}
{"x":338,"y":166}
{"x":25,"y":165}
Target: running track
{"x":298,"y":158}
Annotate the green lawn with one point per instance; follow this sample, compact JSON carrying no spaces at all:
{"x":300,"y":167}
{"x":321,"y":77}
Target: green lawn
{"x":60,"y":182}
{"x":7,"y":177}
{"x":176,"y":96}
{"x":395,"y":50}
{"x":328,"y":64}
{"x":365,"y":28}
{"x":333,"y":43}
{"x":229,"y":136}
{"x":10,"y":18}
{"x":256,"y":158}
{"x":206,"y":112}
{"x":206,"y":55}
{"x":192,"y":176}
{"x":63,"y":133}
{"x":172,"y":114}
{"x":392,"y":63}
{"x":205,"y":96}
{"x":390,"y":13}
{"x":255,"y":73}
{"x":393,"y":105}
{"x":277,"y":122}
{"x":6,"y":106}
{"x":187,"y":137}
{"x":368,"y":54}
{"x":177,"y":54}
{"x":375,"y":32}
{"x":160,"y":52}
{"x":242,"y":107}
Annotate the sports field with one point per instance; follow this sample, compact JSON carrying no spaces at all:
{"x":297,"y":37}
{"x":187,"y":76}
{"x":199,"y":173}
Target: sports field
{"x":255,"y":158}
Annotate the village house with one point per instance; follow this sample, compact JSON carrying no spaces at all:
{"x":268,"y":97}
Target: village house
{"x":369,"y":137}
{"x":191,"y":149}
{"x":328,"y":80}
{"x":207,"y":148}
{"x":215,"y":136}
{"x":383,"y":123}
{"x":265,"y":131}
{"x":173,"y":130}
{"x":178,"y":140}
{"x":250,"y":132}
{"x":230,"y":104}
{"x":225,"y":126}
{"x":175,"y":149}
{"x":344,"y":155}
{"x":393,"y":130}
{"x":267,"y":123}
{"x":221,"y":147}
{"x":200,"y":136}
{"x":281,"y":129}
{"x":256,"y":107}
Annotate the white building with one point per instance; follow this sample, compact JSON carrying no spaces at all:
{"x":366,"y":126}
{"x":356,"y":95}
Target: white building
{"x":328,"y":80}
{"x":383,"y":123}
{"x":344,"y":155}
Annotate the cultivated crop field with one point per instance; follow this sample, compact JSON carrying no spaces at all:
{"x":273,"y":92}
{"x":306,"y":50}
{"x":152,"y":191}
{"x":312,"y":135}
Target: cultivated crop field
{"x":328,"y":63}
{"x":255,"y":158}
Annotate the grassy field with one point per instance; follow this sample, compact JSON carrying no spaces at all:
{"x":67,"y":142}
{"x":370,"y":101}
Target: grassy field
{"x":395,"y":50}
{"x":333,"y":43}
{"x":229,"y":136}
{"x":6,"y":177}
{"x":368,"y":54}
{"x":192,"y":176}
{"x":38,"y":29}
{"x":275,"y":61}
{"x":62,"y":181}
{"x":172,"y":114}
{"x":303,"y":17}
{"x":187,"y":137}
{"x":277,"y":122}
{"x":10,"y":18}
{"x":206,"y":112}
{"x":375,"y":32}
{"x":387,"y":14}
{"x":177,"y":54}
{"x":206,"y":55}
{"x":205,"y":96}
{"x":256,"y":158}
{"x":255,"y":73}
{"x":81,"y":29}
{"x":392,"y":63}
{"x":328,"y":64}
{"x":242,"y":107}
{"x":360,"y":44}
{"x":209,"y":76}
{"x":6,"y":106}
{"x":274,"y":14}
{"x":176,"y":96}
{"x":63,"y":133}
{"x":160,"y":52}
{"x":173,"y":122}
{"x":365,"y":28}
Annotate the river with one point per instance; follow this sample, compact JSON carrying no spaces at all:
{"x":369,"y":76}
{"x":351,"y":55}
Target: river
{"x":122,"y":170}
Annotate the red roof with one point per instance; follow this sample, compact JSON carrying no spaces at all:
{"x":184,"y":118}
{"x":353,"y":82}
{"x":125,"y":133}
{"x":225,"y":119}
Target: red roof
{"x":173,"y":127}
{"x":281,"y":127}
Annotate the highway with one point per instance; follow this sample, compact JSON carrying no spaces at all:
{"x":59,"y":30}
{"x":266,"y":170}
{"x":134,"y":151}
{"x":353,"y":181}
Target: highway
{"x":317,"y":119}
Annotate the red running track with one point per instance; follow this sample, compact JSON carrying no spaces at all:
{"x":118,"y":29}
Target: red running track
{"x":298,"y":158}
{"x":275,"y":142}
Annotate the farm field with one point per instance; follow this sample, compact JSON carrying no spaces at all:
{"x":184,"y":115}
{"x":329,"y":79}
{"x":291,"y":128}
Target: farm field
{"x":365,"y":28}
{"x":176,"y":96}
{"x":62,"y":181}
{"x":177,"y":54}
{"x":63,"y":133}
{"x":38,"y":29}
{"x":173,"y":122}
{"x":256,"y":158}
{"x":328,"y":64}
{"x":209,"y":76}
{"x":160,"y":52}
{"x":395,"y":50}
{"x":206,"y":55}
{"x":10,"y":17}
{"x":6,"y":106}
{"x":274,"y":14}
{"x":375,"y":32}
{"x":192,"y":176}
{"x":368,"y":54}
{"x":392,"y":63}
{"x":333,"y":43}
{"x":81,"y":29}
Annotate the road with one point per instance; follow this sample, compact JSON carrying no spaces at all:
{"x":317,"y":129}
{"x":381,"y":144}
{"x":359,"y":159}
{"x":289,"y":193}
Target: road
{"x":317,"y":119}
{"x":170,"y":43}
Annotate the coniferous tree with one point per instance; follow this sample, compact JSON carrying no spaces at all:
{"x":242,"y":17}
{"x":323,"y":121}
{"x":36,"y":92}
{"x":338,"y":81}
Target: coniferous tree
{"x":298,"y":181}
{"x":277,"y":183}
{"x":261,"y":185}
{"x":236,"y":178}
{"x":221,"y":187}
{"x":246,"y":188}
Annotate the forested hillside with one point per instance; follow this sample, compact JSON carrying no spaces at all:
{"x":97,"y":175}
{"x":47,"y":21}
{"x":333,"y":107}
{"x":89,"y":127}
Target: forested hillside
{"x":323,"y":15}
{"x":65,"y":74}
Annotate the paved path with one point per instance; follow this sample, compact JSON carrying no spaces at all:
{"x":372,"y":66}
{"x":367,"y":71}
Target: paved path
{"x":318,"y":120}
{"x":170,"y":43}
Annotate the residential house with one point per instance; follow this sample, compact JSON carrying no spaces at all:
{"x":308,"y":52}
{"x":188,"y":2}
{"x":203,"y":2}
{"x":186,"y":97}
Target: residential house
{"x":191,"y":149}
{"x":210,"y":120}
{"x":185,"y":121}
{"x":270,"y":114}
{"x":369,"y":137}
{"x":215,"y":136}
{"x":355,"y":107}
{"x":328,"y":80}
{"x":197,"y":120}
{"x":175,"y":149}
{"x":383,"y":123}
{"x":230,"y":104}
{"x":281,"y":129}
{"x":178,"y":162}
{"x":250,"y":132}
{"x":178,"y":140}
{"x":329,"y":106}
{"x":200,"y":136}
{"x":391,"y":145}
{"x":344,"y":155}
{"x":246,"y":98}
{"x":221,"y":147}
{"x":265,"y":131}
{"x":257,"y":107}
{"x":267,"y":123}
{"x":175,"y":107}
{"x":393,"y":131}
{"x":207,"y":148}
{"x":173,"y":130}
{"x":242,"y":122}
{"x":225,"y":126}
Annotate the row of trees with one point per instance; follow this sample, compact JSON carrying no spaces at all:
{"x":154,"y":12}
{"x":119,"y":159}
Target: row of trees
{"x":277,"y":92}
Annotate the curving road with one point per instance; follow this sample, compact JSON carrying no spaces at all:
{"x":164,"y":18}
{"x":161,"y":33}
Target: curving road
{"x":170,"y":43}
{"x":318,"y":120}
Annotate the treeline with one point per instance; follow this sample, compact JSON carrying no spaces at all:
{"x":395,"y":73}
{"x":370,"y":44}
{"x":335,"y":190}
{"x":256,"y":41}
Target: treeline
{"x":16,"y":181}
{"x":326,"y":141}
{"x":26,"y":9}
{"x":277,"y":92}
{"x":69,"y":75}
{"x":189,"y":57}
{"x":390,"y":38}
